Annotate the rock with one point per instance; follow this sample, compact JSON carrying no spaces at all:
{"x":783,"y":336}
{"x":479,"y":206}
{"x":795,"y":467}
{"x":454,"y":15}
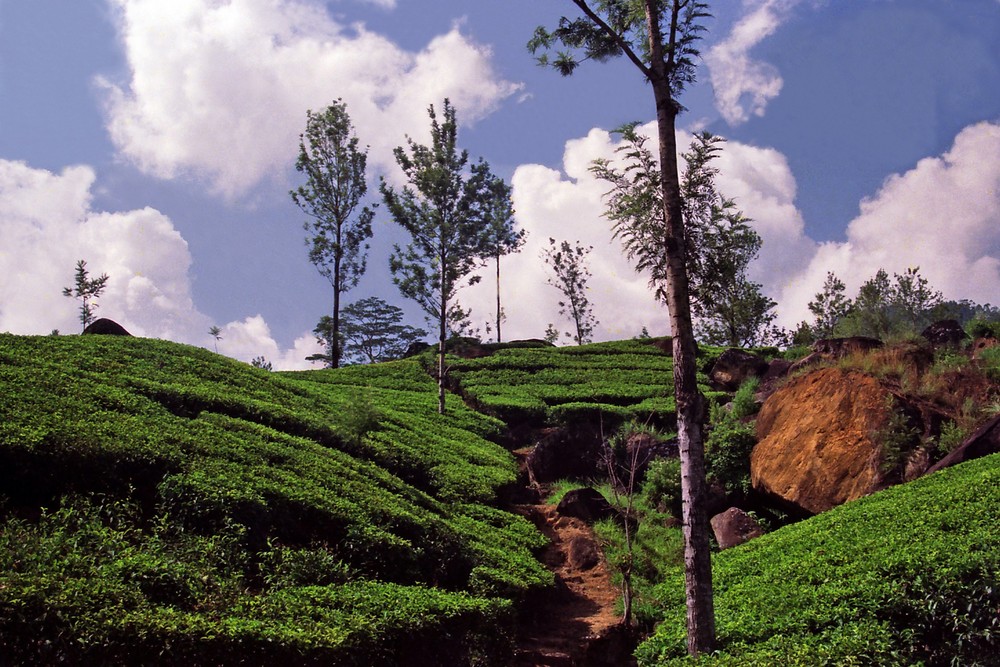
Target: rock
{"x":735,"y":366}
{"x":985,"y":441}
{"x":816,"y":446}
{"x":776,"y":371}
{"x":583,"y":553}
{"x":586,"y":504}
{"x":944,"y":333}
{"x":106,"y":327}
{"x":564,"y":453}
{"x":734,"y":527}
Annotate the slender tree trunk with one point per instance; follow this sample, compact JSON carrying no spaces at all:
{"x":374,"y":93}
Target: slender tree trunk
{"x":335,"y":342}
{"x":499,"y":309}
{"x":443,"y":330}
{"x":697,"y":555}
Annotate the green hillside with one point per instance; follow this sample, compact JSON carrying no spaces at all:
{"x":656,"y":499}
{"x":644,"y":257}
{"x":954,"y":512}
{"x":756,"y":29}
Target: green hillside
{"x":910,"y":575}
{"x":543,"y":384}
{"x":162,"y":502}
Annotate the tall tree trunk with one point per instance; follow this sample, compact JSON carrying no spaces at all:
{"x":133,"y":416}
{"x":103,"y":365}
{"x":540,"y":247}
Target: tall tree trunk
{"x":443,"y":331}
{"x":697,"y":555}
{"x":335,"y":342}
{"x":499,"y":309}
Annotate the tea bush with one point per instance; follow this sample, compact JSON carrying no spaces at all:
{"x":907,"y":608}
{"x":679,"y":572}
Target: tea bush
{"x":896,"y":578}
{"x":167,"y":505}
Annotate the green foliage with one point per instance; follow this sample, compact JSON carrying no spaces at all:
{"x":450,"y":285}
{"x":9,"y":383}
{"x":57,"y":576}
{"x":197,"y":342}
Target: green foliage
{"x":896,"y":438}
{"x":616,"y":381}
{"x":265,"y":517}
{"x":952,"y":435}
{"x":989,"y":361}
{"x":87,"y":290}
{"x":744,"y":402}
{"x":569,"y":263}
{"x":829,"y":307}
{"x":448,"y":209}
{"x":371,"y":331}
{"x":719,"y":241}
{"x":662,"y":487}
{"x":896,"y":578}
{"x":582,"y":39}
{"x":727,"y":454}
{"x":885,"y":308}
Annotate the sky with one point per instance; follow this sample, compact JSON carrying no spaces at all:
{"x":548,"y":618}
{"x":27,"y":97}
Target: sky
{"x":156,"y":140}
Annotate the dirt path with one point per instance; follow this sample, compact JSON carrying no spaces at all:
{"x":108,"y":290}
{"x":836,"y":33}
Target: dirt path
{"x":574,"y":623}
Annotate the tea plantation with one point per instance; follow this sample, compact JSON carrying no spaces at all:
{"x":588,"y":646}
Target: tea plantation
{"x":540,"y":384}
{"x":907,"y":576}
{"x":163,"y":504}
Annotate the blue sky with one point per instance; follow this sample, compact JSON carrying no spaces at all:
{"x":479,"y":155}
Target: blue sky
{"x":157,"y":140}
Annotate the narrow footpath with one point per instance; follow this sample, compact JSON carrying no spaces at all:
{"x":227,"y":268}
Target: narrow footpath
{"x":573,"y":624}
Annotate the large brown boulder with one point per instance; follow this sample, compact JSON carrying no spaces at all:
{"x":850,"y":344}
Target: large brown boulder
{"x":944,"y":333}
{"x":817,"y":443}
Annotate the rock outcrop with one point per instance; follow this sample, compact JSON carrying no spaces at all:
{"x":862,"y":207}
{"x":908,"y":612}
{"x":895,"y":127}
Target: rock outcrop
{"x":817,"y":440}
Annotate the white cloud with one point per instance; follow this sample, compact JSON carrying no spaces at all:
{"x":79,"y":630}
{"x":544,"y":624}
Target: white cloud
{"x":943,"y":216}
{"x":569,"y":206}
{"x":220,"y":90}
{"x":744,"y":86}
{"x":49,"y":224}
{"x":251,"y":338}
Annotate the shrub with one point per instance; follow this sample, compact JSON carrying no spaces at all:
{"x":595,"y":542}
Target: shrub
{"x":662,"y":486}
{"x":727,"y":455}
{"x":744,"y":403}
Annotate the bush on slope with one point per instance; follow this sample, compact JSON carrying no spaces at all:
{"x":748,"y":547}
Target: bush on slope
{"x":161,"y":502}
{"x":907,"y":575}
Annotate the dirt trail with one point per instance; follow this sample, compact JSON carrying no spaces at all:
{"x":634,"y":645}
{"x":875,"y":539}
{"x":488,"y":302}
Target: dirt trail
{"x":574,"y":623}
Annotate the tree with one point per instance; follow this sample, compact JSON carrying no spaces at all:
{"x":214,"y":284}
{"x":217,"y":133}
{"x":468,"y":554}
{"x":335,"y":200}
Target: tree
{"x":262,"y":363}
{"x":728,"y":308}
{"x":372,"y":331}
{"x":87,"y":290}
{"x":885,"y":307}
{"x":659,"y":38}
{"x":829,"y":307}
{"x":335,"y":186}
{"x":446,"y":209}
{"x":216,"y":333}
{"x":504,"y":238}
{"x":569,"y":263}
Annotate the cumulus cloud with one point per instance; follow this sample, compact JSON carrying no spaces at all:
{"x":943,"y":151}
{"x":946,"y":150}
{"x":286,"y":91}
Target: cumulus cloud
{"x":251,"y":338}
{"x":943,"y":216}
{"x":568,"y":205}
{"x":220,"y":90}
{"x":744,"y":86}
{"x":49,"y":223}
